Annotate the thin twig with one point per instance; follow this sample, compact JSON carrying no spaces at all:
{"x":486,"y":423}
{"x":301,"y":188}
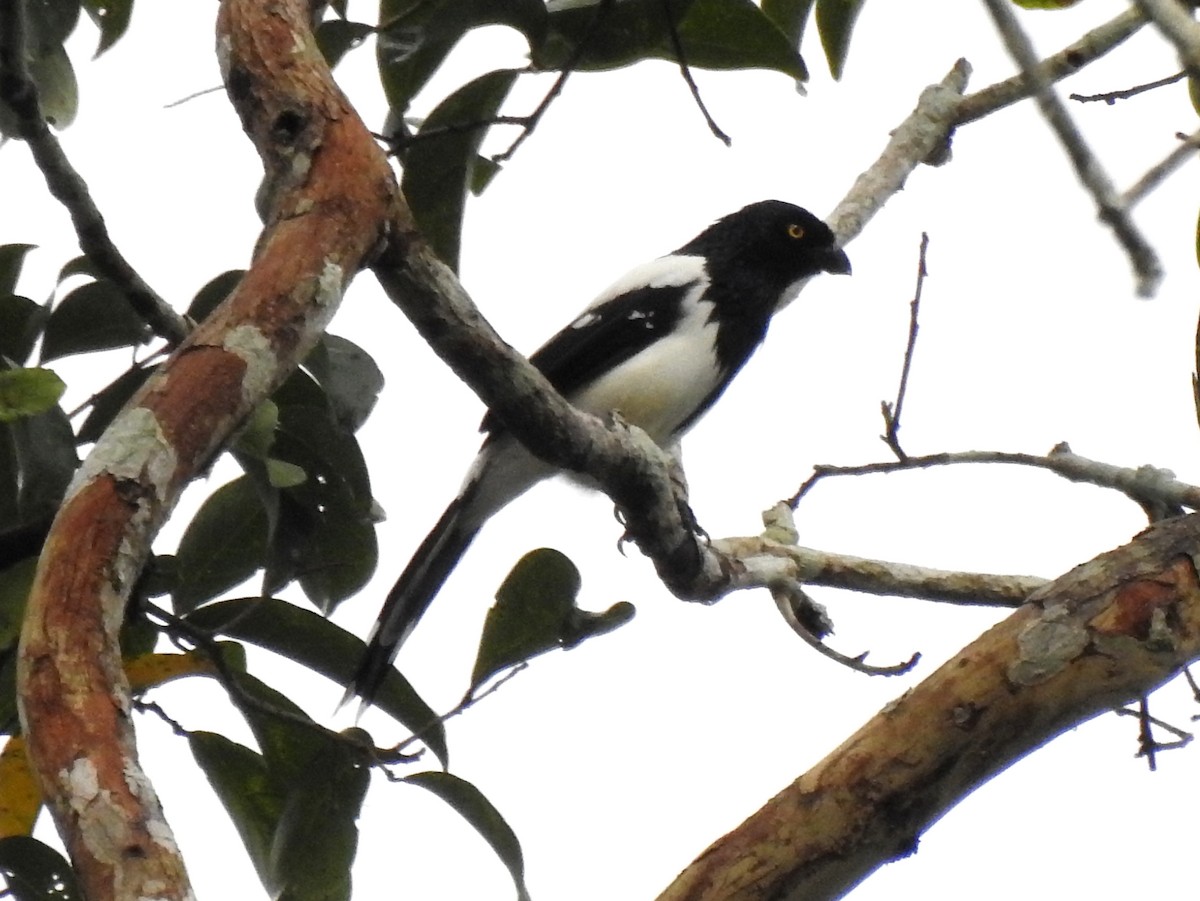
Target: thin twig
{"x":67,"y":186}
{"x":399,"y":142}
{"x":141,"y":704}
{"x":1156,"y":175}
{"x":534,"y":118}
{"x":891,"y":412}
{"x":1111,"y":97}
{"x":786,"y":602}
{"x":469,"y":700}
{"x":1145,"y":484}
{"x":1147,"y":269}
{"x":686,"y":72}
{"x":1148,"y":745}
{"x":193,"y":96}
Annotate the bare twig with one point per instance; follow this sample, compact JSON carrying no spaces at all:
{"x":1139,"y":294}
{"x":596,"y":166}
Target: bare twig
{"x":1147,"y":269}
{"x":1111,"y":97}
{"x":469,"y":700}
{"x":686,"y":72}
{"x":891,"y":412}
{"x":534,"y":118}
{"x":1144,"y":485}
{"x":67,"y":185}
{"x":787,"y":599}
{"x":1068,"y":61}
{"x":1148,"y":744}
{"x":1156,"y":175}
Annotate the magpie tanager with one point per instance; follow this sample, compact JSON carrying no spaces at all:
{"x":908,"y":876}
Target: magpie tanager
{"x":658,"y":348}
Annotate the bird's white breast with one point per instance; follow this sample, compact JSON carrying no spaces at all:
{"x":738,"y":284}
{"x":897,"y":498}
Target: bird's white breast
{"x":660,"y":387}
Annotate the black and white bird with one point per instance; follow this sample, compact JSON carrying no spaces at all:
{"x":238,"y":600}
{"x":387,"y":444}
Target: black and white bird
{"x":658,"y":348}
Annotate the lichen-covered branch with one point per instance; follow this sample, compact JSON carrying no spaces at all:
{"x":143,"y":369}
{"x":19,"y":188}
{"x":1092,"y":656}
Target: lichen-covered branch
{"x":1089,"y":48}
{"x":1145,"y":485}
{"x":1109,"y":631}
{"x":332,"y":195}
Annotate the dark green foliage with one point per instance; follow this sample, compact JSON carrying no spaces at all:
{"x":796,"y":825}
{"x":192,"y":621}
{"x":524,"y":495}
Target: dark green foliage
{"x":34,"y":871}
{"x":439,"y":165}
{"x":535,"y":612}
{"x":477,"y":810}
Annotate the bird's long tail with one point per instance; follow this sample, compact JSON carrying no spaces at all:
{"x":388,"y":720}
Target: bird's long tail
{"x":410,"y":597}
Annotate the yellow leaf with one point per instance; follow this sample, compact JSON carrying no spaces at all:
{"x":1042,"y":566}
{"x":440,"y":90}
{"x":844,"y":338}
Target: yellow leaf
{"x":20,"y":797}
{"x":148,"y":670}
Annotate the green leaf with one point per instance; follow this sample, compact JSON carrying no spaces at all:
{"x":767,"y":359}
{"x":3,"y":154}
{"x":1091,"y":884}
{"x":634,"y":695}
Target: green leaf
{"x":95,"y":316}
{"x":12,"y":259}
{"x":1045,"y":4}
{"x":715,"y":34}
{"x":36,"y":872}
{"x":258,"y":434}
{"x":327,"y":649}
{"x":736,"y":34}
{"x":224,"y":545}
{"x":438,"y":168}
{"x":111,"y":17}
{"x":15,"y":582}
{"x":835,"y":22}
{"x":243,"y":784}
{"x":58,"y":90}
{"x":317,"y":836}
{"x":324,"y":531}
{"x":309,"y":436}
{"x":110,"y":400}
{"x":41,"y":449}
{"x":282,"y":474}
{"x":619,"y":34}
{"x":28,"y":392}
{"x":21,"y":322}
{"x":535,"y":612}
{"x":790,"y":16}
{"x":350,"y":377}
{"x":337,"y":37}
{"x":215,"y":291}
{"x":49,"y":22}
{"x":470,"y":803}
{"x":80,"y":265}
{"x":415,"y":38}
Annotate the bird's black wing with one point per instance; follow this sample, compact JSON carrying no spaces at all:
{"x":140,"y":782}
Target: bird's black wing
{"x":606,"y":335}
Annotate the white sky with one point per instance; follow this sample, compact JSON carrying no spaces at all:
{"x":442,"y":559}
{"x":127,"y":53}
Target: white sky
{"x":619,"y":762}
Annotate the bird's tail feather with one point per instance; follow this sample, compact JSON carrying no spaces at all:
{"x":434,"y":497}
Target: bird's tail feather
{"x":410,"y":597}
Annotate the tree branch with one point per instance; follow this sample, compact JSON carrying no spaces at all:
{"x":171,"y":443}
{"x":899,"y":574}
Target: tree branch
{"x":1157,"y":174}
{"x":1107,"y":632}
{"x":1145,"y":485}
{"x":19,"y":92}
{"x":332,"y":195}
{"x":1176,"y":24}
{"x":1066,"y":62}
{"x":1146,"y":266}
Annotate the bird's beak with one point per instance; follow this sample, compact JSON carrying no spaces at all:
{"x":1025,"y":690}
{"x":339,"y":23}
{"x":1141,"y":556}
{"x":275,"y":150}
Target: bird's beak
{"x":835,"y":261}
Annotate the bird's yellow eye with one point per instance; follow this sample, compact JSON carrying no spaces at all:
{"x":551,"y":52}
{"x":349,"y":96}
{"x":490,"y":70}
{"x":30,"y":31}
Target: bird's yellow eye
{"x":795,"y":231}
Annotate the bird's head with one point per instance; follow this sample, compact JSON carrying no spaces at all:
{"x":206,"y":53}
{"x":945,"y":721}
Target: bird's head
{"x":772,"y":240}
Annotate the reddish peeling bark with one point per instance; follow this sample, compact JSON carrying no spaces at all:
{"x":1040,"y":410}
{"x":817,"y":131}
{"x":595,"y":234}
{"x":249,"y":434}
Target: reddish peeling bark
{"x":332,"y":197}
